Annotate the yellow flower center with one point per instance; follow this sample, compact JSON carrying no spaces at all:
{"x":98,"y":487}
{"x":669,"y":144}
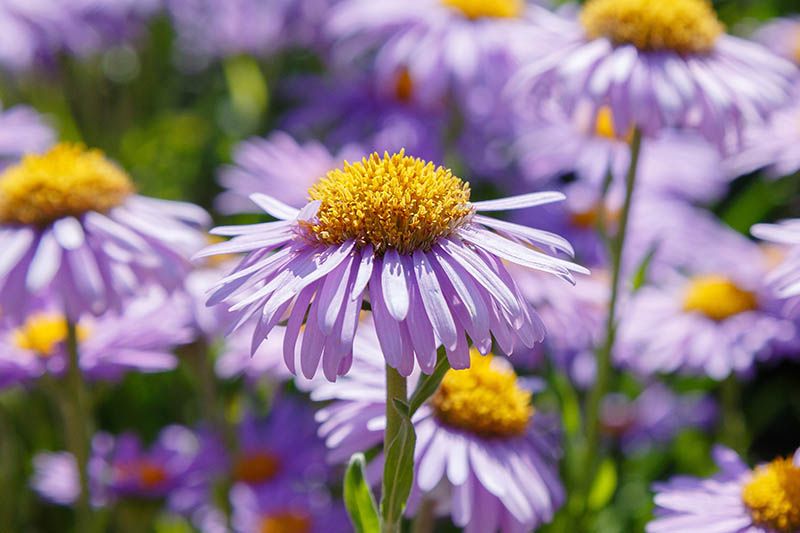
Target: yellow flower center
{"x":391,"y":202}
{"x":256,"y":467}
{"x":604,"y":126}
{"x":474,"y":9}
{"x":684,"y":26}
{"x":483,"y":399}
{"x":44,"y":332}
{"x":773,"y":496}
{"x":146,"y":473}
{"x":66,"y":181}
{"x":588,"y":219}
{"x":286,"y":522}
{"x":404,"y":86}
{"x":717,"y":297}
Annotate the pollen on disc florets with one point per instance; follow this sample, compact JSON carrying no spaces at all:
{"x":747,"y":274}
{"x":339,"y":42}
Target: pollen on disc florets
{"x":474,"y":9}
{"x":484,"y":399}
{"x":42,"y":333}
{"x":286,"y":522}
{"x":66,"y":181}
{"x":773,"y":496}
{"x":718,"y":297}
{"x":684,"y":26}
{"x":256,"y":467}
{"x":391,"y":202}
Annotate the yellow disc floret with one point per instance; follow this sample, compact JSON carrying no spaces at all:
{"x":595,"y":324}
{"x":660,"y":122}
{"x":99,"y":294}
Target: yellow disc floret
{"x":773,"y":496}
{"x":604,"y":126}
{"x":718,"y":297}
{"x":43,"y":333}
{"x":484,"y":399}
{"x":66,"y":181}
{"x":684,"y":26}
{"x":256,"y":467}
{"x":391,"y":202}
{"x":286,"y":522}
{"x":487,"y":8}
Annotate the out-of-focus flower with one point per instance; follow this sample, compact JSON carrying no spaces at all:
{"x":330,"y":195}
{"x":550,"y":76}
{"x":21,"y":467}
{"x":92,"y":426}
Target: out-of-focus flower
{"x":782,"y":36}
{"x":219,"y":28}
{"x":676,"y":163}
{"x":139,"y":339}
{"x":278,"y":166}
{"x":786,"y":278}
{"x":22,"y":131}
{"x":655,"y":416}
{"x":72,"y":226}
{"x":658,"y":64}
{"x":236,"y":359}
{"x":272,"y":455}
{"x":119,"y":467}
{"x":772,"y":145}
{"x":483,"y":453}
{"x":735,"y":500}
{"x":35,"y":32}
{"x":404,"y":231}
{"x":440,"y":47}
{"x":712,"y":321}
{"x":350,"y":110}
{"x":285,"y":510}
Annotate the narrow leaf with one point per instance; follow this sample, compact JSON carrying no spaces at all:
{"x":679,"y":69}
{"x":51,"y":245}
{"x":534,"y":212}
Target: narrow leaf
{"x":358,"y":497}
{"x":427,"y":385}
{"x":398,"y":470}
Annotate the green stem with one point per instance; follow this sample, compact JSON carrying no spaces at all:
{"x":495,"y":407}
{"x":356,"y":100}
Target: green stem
{"x":75,"y":410}
{"x":426,"y":518}
{"x":734,"y":426}
{"x":396,"y":388}
{"x":603,"y":379}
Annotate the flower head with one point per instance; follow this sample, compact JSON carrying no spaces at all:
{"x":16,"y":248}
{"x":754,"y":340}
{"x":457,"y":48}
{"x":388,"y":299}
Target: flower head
{"x":403,"y":231}
{"x":735,"y":500}
{"x":72,"y":226}
{"x":482,"y":450}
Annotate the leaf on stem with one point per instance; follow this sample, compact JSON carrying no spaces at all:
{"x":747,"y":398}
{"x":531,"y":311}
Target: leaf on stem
{"x":398,"y":471}
{"x":428,"y":384}
{"x":358,"y":497}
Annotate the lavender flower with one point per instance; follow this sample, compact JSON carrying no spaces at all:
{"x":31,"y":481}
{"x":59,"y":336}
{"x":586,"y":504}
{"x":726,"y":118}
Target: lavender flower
{"x":782,"y":36}
{"x":404,"y":231}
{"x":786,"y":278}
{"x":735,"y":500}
{"x":22,"y":130}
{"x":71,"y":225}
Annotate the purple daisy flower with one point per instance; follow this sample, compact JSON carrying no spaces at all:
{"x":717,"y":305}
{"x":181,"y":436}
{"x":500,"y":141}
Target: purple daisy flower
{"x":22,"y":131}
{"x":782,"y":36}
{"x":352,"y":111}
{"x":629,"y":56}
{"x":236,"y":359}
{"x":279,"y":166}
{"x":443,"y":46}
{"x":284,"y":509}
{"x":482,"y":452}
{"x":738,"y":499}
{"x":786,"y":278}
{"x":655,"y":416}
{"x":71,"y":225}
{"x":55,"y":477}
{"x":404,"y":232}
{"x":139,"y":339}
{"x":772,"y":145}
{"x":714,"y":322}
{"x":591,"y":146}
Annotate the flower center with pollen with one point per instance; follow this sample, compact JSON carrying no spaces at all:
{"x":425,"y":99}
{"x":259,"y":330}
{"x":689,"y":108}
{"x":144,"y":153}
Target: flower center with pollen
{"x":66,"y":181}
{"x":484,"y":399}
{"x":604,"y":126}
{"x":43,"y":333}
{"x":286,"y":522}
{"x":145,"y":473}
{"x":474,"y":9}
{"x":718,"y":297}
{"x":683,"y":26}
{"x":256,"y":467}
{"x":392,"y":202}
{"x":773,"y":496}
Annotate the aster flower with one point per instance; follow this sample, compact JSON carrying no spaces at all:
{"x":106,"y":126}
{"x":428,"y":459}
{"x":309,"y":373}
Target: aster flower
{"x":590,"y":147}
{"x":714,"y":321}
{"x":659,"y":64}
{"x":71,"y":225}
{"x":735,"y":500}
{"x":285,"y":509}
{"x":655,"y":416}
{"x":403,"y":231}
{"x":277,"y":165}
{"x":22,"y":130}
{"x":771,"y":146}
{"x":482,"y":451}
{"x":443,"y":46}
{"x":235,"y":358}
{"x":786,"y":278}
{"x":139,"y":339}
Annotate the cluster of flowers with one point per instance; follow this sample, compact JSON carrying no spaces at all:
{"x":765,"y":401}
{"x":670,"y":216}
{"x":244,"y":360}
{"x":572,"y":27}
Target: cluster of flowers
{"x":388,"y":261}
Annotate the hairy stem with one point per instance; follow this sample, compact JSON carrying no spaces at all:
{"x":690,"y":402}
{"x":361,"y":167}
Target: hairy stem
{"x":396,"y":388}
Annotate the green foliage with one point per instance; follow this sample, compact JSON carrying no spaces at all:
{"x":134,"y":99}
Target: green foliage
{"x":358,"y":497}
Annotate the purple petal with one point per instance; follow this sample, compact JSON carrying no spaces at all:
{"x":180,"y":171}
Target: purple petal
{"x":520,"y":201}
{"x":434,"y":302}
{"x":393,"y":281}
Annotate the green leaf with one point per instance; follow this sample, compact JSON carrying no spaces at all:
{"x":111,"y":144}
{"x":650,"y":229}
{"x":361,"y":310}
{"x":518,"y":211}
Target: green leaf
{"x":604,"y":485}
{"x":640,"y":276}
{"x":428,"y":384}
{"x":398,"y":470}
{"x":358,"y":497}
